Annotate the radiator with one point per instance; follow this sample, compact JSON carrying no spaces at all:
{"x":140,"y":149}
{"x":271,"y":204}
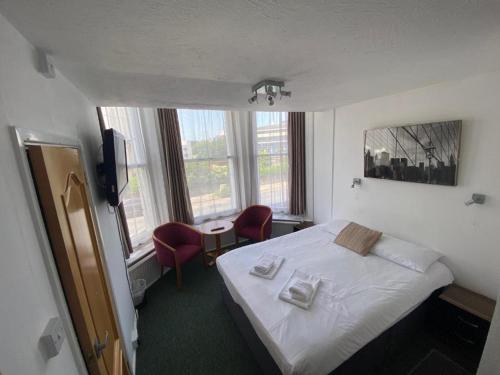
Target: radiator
{"x":147,"y":269}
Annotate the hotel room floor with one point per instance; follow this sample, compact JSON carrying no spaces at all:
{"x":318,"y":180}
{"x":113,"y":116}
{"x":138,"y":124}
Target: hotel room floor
{"x":191,"y":332}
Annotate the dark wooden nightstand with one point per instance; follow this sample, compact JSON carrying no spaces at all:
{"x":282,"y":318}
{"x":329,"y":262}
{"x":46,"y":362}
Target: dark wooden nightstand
{"x":464,"y":317}
{"x":303,"y":225}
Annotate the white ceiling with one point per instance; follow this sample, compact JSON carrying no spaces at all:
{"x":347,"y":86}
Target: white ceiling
{"x":208,"y":53}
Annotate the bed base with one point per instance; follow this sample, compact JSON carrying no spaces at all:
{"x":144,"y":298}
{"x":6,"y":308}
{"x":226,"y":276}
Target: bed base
{"x":368,"y":360}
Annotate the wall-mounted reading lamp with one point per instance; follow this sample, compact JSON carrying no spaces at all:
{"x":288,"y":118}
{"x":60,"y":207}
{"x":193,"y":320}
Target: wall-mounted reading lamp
{"x":476,"y":198}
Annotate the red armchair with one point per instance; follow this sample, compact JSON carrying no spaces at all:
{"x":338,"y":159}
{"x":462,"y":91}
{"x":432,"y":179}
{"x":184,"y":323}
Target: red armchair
{"x":176,"y":244}
{"x":255,"y":223}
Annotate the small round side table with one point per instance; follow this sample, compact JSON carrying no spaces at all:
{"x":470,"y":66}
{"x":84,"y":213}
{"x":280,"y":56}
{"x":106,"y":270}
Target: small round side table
{"x":215,"y":228}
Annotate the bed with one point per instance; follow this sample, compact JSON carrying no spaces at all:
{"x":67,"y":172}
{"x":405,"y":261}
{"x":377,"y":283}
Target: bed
{"x":359,"y":299}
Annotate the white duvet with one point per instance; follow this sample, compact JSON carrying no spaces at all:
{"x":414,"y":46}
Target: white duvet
{"x":358,"y":299}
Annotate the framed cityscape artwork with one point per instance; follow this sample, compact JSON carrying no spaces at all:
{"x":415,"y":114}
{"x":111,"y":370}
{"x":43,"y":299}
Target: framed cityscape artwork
{"x":426,"y":153}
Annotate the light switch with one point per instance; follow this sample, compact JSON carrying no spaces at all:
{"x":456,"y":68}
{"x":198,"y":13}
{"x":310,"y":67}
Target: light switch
{"x":53,"y":337}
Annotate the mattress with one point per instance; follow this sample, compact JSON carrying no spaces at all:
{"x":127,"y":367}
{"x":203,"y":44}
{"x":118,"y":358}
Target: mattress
{"x":359,"y":298}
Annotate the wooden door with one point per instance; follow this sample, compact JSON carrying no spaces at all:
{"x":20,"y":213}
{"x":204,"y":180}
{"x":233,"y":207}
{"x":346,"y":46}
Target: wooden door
{"x":62,"y":191}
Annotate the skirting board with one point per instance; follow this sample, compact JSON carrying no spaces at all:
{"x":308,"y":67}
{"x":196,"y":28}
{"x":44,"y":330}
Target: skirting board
{"x":148,"y":268}
{"x":135,"y":344}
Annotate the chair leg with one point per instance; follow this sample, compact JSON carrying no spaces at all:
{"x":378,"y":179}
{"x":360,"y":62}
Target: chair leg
{"x":203,"y":253}
{"x":178,"y":273}
{"x":178,"y":277}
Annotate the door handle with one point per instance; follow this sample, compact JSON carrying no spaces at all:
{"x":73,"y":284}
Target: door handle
{"x":100,"y":346}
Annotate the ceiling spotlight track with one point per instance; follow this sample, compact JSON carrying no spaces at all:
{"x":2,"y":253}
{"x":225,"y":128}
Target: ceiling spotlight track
{"x":269,"y":89}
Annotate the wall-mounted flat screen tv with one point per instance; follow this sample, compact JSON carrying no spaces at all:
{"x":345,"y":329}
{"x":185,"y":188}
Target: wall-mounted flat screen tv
{"x":426,"y":153}
{"x":115,"y":165}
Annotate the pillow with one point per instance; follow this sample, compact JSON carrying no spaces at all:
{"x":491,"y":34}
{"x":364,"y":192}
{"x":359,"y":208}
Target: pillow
{"x":357,"y":238}
{"x":405,"y":253}
{"x":335,"y":226}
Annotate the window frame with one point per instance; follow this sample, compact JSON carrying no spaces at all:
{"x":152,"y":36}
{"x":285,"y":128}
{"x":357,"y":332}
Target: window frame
{"x":282,"y":209}
{"x":144,"y":237}
{"x":233,"y":166}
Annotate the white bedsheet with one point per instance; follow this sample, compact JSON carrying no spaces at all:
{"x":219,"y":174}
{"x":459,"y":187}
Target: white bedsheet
{"x":358,"y":299}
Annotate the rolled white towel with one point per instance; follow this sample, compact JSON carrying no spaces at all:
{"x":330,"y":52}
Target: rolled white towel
{"x":264,"y":266}
{"x":301,"y":290}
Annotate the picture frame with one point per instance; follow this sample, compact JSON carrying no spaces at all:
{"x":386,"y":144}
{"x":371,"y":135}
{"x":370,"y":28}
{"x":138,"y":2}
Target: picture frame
{"x":423,"y":153}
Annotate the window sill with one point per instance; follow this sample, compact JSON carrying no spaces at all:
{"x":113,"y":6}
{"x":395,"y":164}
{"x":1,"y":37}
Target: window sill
{"x":277,"y":217}
{"x":140,"y":252}
{"x":228,"y":215}
{"x":287,"y":218}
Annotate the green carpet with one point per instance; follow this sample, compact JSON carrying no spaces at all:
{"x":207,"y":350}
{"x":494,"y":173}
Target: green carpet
{"x":190,"y":331}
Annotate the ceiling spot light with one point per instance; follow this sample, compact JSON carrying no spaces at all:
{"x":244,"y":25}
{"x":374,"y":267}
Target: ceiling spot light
{"x":269,"y":89}
{"x":287,"y":94}
{"x":253,"y":99}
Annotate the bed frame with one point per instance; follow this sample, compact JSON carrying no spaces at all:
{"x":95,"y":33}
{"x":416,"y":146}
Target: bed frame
{"x":369,"y":359}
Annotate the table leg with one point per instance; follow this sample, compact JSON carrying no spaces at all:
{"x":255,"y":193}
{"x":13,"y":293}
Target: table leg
{"x":217,"y":250}
{"x":217,"y":245}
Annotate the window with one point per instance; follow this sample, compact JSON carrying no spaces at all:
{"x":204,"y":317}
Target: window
{"x":207,"y":143}
{"x":271,"y":143}
{"x":138,"y":197}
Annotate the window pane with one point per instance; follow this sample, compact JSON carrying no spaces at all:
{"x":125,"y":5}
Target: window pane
{"x":272,"y":158}
{"x":135,"y":202}
{"x":203,"y":134}
{"x":137,"y":198}
{"x":273,"y":181}
{"x":126,"y":121}
{"x":209,"y":165}
{"x":209,"y":186}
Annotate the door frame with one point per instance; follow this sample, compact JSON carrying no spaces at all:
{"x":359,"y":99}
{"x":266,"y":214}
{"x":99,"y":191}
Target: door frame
{"x":22,"y":137}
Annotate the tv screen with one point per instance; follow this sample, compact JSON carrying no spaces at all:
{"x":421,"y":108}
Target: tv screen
{"x":115,"y":165}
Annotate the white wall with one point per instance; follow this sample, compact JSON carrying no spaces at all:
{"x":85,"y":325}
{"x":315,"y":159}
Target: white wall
{"x":323,"y":165}
{"x":432,"y":215}
{"x":30,"y":101}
